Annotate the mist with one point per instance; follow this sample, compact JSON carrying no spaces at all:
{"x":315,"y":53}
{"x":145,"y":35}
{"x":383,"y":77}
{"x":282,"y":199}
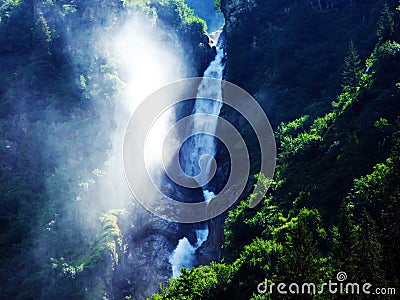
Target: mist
{"x":74,"y":73}
{"x":144,"y":64}
{"x":136,"y":57}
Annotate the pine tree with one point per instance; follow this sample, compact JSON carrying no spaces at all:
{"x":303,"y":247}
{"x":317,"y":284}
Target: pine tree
{"x":385,"y":24}
{"x":352,"y":69}
{"x":391,"y":216}
{"x":345,"y":236}
{"x":42,"y":61}
{"x":302,"y":255}
{"x":366,"y":252}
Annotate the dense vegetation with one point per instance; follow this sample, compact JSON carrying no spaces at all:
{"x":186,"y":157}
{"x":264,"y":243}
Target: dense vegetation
{"x":58,"y":92}
{"x":334,"y":201}
{"x":328,"y":73}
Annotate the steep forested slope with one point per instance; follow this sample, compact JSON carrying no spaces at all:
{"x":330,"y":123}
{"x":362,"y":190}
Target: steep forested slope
{"x":334,"y":201}
{"x":290,"y":54}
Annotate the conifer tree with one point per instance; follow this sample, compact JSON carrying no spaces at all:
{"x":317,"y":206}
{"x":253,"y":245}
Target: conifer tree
{"x":385,"y":24}
{"x":302,"y":255}
{"x":345,"y":236}
{"x":391,"y":217}
{"x":41,"y":55}
{"x":352,"y":69}
{"x":366,"y":252}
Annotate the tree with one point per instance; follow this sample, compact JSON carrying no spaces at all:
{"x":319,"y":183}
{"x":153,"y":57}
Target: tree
{"x":391,"y":216}
{"x":385,"y":24}
{"x":41,"y":55}
{"x":217,"y":4}
{"x":352,"y":69}
{"x":345,"y":236}
{"x":366,"y":252}
{"x":42,"y":32}
{"x":302,"y":256}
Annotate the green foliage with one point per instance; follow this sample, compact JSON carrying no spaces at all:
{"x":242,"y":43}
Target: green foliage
{"x":387,"y":50}
{"x":241,"y":225}
{"x":42,"y":33}
{"x":290,"y":253}
{"x":206,"y":282}
{"x":292,"y":127}
{"x":6,"y":8}
{"x":208,"y":12}
{"x":369,"y":224}
{"x":217,"y":4}
{"x":104,"y":253}
{"x":386,"y":24}
{"x":187,"y":15}
{"x":302,"y":259}
{"x":295,"y":138}
{"x":365,"y":260}
{"x":142,"y":6}
{"x":352,"y":69}
{"x":260,"y":259}
{"x":182,"y":17}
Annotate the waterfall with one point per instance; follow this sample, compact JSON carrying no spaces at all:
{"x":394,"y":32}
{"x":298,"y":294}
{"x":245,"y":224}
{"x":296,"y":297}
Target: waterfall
{"x":184,"y":255}
{"x":199,"y":145}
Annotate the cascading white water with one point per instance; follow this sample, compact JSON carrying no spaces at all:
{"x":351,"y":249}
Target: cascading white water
{"x":182,"y":257}
{"x":184,"y":254}
{"x":201,"y":144}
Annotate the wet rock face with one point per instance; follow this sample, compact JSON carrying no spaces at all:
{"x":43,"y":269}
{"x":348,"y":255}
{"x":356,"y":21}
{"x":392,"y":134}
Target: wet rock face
{"x":147,"y":263}
{"x":144,"y":258}
{"x":233,"y":9}
{"x":211,"y":250}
